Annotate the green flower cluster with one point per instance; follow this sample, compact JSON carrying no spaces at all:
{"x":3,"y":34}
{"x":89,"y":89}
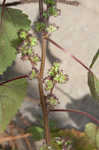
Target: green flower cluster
{"x":55,"y":75}
{"x":27,"y":43}
{"x":40,"y":26}
{"x":52,"y":101}
{"x":51,"y":28}
{"x":50,"y":2}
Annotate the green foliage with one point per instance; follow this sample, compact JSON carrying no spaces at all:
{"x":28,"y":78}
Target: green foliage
{"x":22,"y":34}
{"x":49,"y":85}
{"x":69,"y":139}
{"x":11,"y":97}
{"x":52,"y":100}
{"x":51,"y":2}
{"x":12,"y":21}
{"x":92,"y":132}
{"x":32,"y":74}
{"x":54,"y":69}
{"x":93,"y":81}
{"x":90,"y":129}
{"x":52,"y":11}
{"x":40,"y":26}
{"x":37,"y":132}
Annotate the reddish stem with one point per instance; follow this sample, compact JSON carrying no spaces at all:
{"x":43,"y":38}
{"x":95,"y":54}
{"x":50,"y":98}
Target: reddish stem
{"x":2,"y":12}
{"x":19,"y":77}
{"x":75,"y":58}
{"x":77,"y":111}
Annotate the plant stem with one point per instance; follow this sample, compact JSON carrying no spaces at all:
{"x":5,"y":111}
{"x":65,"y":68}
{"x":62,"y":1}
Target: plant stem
{"x":77,"y":111}
{"x":2,"y":12}
{"x":42,"y":97}
{"x":41,"y":9}
{"x":16,"y":78}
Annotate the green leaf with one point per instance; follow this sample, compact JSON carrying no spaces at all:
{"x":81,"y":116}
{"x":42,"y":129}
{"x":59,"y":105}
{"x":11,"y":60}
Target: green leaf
{"x":93,"y":81}
{"x":37,"y":132}
{"x":90,"y":130}
{"x":94,"y":59}
{"x":13,"y":20}
{"x":11,"y":97}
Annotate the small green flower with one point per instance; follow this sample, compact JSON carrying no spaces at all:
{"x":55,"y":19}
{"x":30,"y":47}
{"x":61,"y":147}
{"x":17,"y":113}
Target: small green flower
{"x":52,"y":101}
{"x":51,"y":2}
{"x":49,"y":85}
{"x":52,"y":11}
{"x":60,"y":77}
{"x":22,"y":34}
{"x":51,"y":28}
{"x":32,"y":74}
{"x":36,"y":59}
{"x":40,"y":26}
{"x":29,"y":51}
{"x":45,"y":14}
{"x":32,"y":40}
{"x":54,"y":69}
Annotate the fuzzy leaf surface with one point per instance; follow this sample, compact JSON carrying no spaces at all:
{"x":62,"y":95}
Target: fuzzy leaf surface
{"x":12,"y":21}
{"x":93,"y":81}
{"x":11,"y":97}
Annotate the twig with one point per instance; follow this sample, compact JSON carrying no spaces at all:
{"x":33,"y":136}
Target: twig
{"x":75,"y":58}
{"x":77,"y":111}
{"x":28,"y":144}
{"x":2,"y":12}
{"x":19,"y":77}
{"x":15,"y":3}
{"x":10,"y":138}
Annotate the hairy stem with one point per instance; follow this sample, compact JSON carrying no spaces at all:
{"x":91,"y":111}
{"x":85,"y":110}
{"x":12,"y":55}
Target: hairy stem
{"x":42,"y":97}
{"x":77,"y":111}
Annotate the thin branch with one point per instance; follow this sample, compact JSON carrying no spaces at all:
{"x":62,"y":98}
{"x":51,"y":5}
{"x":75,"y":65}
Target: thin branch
{"x":41,"y":9}
{"x":75,"y":58}
{"x":10,"y":138}
{"x":79,"y":112}
{"x":17,"y":78}
{"x":2,"y":12}
{"x":74,"y":3}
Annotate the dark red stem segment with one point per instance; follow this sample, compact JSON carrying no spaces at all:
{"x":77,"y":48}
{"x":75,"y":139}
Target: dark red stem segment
{"x":2,"y":12}
{"x":19,"y":77}
{"x":77,"y":111}
{"x":75,"y":58}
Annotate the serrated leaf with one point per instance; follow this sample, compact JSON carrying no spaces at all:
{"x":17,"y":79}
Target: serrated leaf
{"x":12,"y":21}
{"x":93,"y":81}
{"x":11,"y":97}
{"x":90,"y":130}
